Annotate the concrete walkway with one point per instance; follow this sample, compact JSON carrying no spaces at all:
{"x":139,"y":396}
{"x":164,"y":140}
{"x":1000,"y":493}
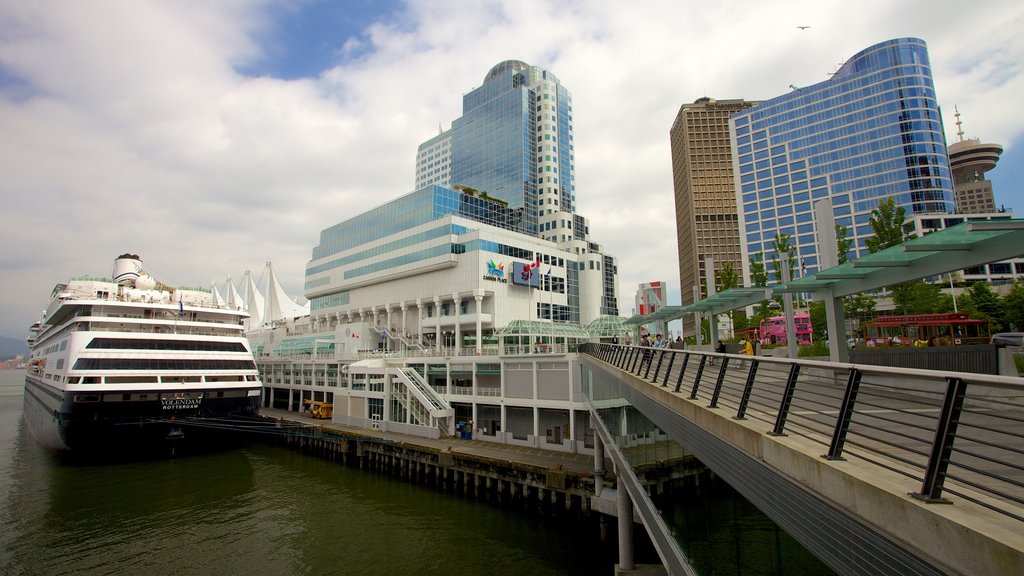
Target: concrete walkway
{"x":578,"y":463}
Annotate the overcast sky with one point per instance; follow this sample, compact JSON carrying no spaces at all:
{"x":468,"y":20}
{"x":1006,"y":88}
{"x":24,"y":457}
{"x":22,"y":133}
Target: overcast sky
{"x":209,"y":137}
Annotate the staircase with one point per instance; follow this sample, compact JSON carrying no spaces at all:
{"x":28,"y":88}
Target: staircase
{"x":394,"y":336}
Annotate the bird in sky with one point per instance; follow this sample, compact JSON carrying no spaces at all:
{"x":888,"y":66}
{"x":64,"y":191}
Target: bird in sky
{"x":803,"y":27}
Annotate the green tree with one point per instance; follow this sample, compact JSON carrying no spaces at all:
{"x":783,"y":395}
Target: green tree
{"x":982,"y":303}
{"x":726,"y":278}
{"x":758,"y":275}
{"x":819,"y":324}
{"x":887,"y":221}
{"x":783,"y":247}
{"x":843,"y":244}
{"x":1013,"y":305}
{"x":920,"y":297}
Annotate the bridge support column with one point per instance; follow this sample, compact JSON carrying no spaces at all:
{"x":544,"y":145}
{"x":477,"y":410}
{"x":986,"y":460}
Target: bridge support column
{"x":836,"y":321}
{"x":599,"y":469}
{"x":625,"y":511}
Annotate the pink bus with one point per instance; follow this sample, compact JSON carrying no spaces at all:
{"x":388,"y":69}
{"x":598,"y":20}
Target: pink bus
{"x":773,"y":330}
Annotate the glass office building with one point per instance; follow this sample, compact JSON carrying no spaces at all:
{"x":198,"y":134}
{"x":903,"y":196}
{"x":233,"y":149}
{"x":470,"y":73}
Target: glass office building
{"x":872,"y":131}
{"x":514,"y":143}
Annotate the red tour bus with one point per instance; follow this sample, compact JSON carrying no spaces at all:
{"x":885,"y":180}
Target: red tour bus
{"x":773,"y":330}
{"x":950,"y":328}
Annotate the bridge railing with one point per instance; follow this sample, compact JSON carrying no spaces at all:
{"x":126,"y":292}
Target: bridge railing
{"x":949,"y":433}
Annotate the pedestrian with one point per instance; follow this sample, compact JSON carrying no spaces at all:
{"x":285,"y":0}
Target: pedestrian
{"x":615,"y":339}
{"x":719,"y":348}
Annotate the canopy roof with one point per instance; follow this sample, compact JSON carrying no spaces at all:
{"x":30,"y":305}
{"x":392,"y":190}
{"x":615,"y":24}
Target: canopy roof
{"x":719,"y":303}
{"x":956,"y":248}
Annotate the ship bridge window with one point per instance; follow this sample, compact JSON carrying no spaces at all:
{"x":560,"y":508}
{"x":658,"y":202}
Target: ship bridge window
{"x":162,"y":364}
{"x":131,"y":380}
{"x":151,"y":344}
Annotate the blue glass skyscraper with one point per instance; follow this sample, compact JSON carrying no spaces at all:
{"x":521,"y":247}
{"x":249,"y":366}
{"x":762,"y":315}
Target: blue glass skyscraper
{"x":514,"y":142}
{"x":872,"y":131}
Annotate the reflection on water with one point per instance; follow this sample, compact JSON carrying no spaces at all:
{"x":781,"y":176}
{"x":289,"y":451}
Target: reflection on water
{"x":266,"y":510}
{"x":257,"y":510}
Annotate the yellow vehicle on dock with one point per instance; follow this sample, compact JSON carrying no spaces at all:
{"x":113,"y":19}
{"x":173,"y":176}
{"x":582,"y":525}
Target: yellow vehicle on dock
{"x":319,"y":410}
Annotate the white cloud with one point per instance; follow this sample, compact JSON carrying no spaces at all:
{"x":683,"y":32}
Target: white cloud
{"x":127,"y":126}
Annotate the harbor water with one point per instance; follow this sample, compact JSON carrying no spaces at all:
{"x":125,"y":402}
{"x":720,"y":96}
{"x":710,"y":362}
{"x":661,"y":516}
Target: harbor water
{"x":263,"y":509}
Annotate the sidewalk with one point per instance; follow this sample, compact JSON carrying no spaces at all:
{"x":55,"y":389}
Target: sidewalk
{"x":579,"y":463}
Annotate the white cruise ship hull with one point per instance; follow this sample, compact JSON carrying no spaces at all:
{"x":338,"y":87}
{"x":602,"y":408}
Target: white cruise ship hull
{"x":147,"y":423}
{"x":131,"y":367}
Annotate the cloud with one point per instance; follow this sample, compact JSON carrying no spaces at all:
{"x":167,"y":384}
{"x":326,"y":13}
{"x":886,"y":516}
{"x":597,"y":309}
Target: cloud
{"x":131,"y":127}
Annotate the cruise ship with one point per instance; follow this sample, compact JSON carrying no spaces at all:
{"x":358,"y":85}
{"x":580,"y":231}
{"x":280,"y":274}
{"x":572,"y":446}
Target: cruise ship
{"x":127,"y":365}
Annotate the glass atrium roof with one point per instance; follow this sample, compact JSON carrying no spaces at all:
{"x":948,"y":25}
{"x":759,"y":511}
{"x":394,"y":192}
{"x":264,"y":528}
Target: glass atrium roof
{"x":608,"y":326}
{"x":544,"y":329}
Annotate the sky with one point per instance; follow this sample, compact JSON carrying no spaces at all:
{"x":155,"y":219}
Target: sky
{"x":211,"y":137}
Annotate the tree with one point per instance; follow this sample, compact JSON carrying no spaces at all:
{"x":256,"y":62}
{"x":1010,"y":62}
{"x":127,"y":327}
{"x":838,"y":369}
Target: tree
{"x":758,"y":275}
{"x":726,"y":278}
{"x":887,"y":224}
{"x":920,"y":297}
{"x":781,"y":244}
{"x":982,"y":303}
{"x":1013,"y":305}
{"x":843,"y":244}
{"x":819,"y":324}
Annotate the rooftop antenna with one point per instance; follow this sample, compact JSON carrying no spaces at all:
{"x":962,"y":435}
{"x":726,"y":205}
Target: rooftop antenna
{"x":959,"y":125}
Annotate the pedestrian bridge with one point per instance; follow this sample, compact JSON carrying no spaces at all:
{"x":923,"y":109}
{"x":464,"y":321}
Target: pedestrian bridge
{"x":875,"y":470}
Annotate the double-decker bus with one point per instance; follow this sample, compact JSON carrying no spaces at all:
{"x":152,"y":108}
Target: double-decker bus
{"x":945,"y":329}
{"x":773,"y":330}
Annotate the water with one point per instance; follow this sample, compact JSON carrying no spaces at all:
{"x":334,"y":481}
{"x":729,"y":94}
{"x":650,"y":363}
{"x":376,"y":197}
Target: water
{"x":267,"y":510}
{"x":257,"y":510}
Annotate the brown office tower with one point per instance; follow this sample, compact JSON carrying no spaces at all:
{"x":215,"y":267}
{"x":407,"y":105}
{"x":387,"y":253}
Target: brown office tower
{"x":706,"y":221}
{"x":970,"y":159}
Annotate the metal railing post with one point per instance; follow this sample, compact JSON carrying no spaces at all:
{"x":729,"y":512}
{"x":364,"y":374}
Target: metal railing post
{"x":787,"y":400}
{"x":682,"y":370}
{"x":835,"y":448}
{"x":942,"y":447}
{"x":633,"y":355}
{"x":748,"y":387}
{"x":719,"y":381}
{"x":657,"y":369}
{"x":668,"y":371}
{"x":696,"y":377}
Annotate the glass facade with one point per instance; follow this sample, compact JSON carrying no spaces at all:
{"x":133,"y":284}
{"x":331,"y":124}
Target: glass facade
{"x":492,"y":142}
{"x":415,"y":209}
{"x":506,"y":162}
{"x":871,"y":132}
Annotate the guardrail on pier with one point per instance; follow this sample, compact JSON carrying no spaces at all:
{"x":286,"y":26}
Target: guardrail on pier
{"x":951,"y":434}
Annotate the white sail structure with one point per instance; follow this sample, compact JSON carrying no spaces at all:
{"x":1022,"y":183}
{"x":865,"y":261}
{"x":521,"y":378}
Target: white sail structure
{"x":278,"y":305}
{"x":254,"y":302}
{"x":234,"y":299}
{"x":218,"y":300}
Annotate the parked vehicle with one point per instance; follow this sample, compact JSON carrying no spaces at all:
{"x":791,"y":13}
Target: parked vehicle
{"x":1009,"y":339}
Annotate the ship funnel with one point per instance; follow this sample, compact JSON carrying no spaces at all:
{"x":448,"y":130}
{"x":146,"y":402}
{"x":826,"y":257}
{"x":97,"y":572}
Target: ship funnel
{"x":127,"y":268}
